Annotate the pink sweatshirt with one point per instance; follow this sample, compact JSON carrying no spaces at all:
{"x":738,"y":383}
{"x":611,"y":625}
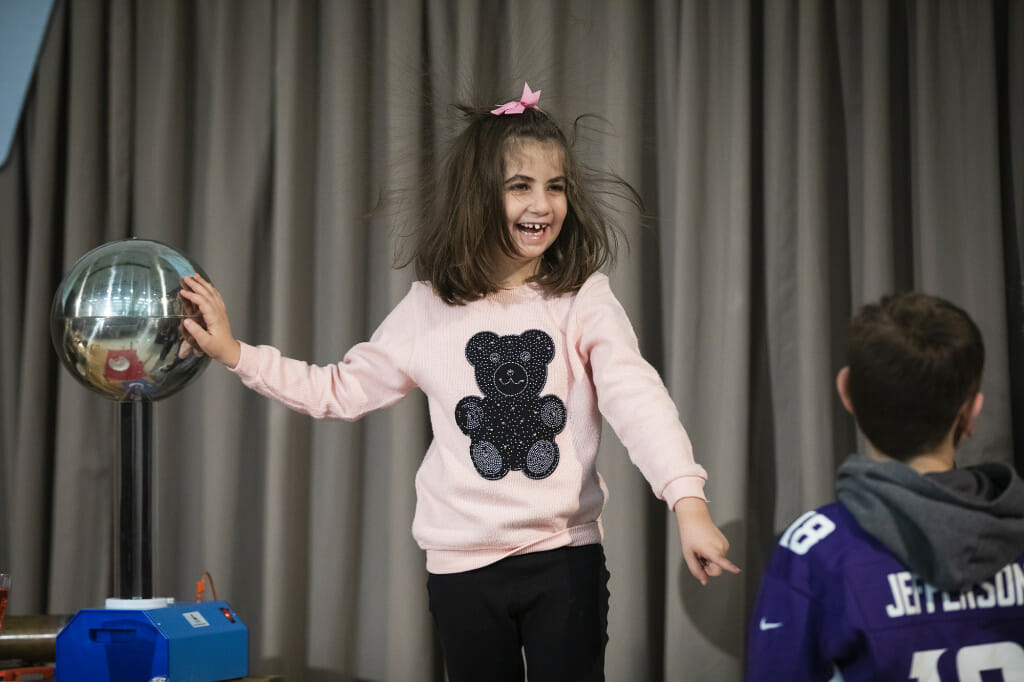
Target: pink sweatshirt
{"x":516,"y":414}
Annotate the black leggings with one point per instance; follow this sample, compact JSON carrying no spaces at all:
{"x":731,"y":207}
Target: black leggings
{"x":552,"y":606}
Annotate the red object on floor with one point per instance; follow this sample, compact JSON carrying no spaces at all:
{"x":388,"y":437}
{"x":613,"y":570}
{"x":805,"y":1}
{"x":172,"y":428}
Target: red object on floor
{"x":41,"y":672}
{"x":123,"y":365}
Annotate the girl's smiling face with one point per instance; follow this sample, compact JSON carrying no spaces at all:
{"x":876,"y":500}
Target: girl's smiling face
{"x":535,"y":205}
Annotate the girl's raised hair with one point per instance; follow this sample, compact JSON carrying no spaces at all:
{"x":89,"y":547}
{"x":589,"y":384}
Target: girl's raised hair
{"x":463,"y":237}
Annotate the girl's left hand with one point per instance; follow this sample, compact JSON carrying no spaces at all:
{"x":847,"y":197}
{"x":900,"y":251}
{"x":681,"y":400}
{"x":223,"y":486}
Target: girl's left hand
{"x":214,"y":336}
{"x":704,"y":546}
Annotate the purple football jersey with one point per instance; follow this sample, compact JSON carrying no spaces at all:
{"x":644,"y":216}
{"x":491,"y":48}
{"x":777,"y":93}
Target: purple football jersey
{"x":836,"y":604}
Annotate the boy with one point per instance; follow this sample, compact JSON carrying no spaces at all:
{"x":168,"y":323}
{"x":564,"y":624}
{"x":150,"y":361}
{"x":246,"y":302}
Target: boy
{"x":917,"y":572}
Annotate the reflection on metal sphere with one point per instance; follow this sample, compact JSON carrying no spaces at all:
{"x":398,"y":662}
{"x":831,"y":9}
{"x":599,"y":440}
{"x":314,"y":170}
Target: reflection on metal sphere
{"x":116,"y":321}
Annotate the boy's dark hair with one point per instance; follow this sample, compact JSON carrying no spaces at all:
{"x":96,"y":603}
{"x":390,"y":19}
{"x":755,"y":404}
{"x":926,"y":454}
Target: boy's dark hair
{"x":914,"y":360}
{"x":462,"y":238}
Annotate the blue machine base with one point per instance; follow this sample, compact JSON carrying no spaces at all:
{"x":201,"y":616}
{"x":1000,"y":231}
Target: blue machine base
{"x":189,"y":642}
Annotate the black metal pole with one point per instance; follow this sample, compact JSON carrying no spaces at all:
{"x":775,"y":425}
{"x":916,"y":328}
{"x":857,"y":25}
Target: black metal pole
{"x":133,"y":551}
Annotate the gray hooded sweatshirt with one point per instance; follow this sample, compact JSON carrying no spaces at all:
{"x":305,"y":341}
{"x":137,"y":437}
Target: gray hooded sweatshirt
{"x":953,"y":529}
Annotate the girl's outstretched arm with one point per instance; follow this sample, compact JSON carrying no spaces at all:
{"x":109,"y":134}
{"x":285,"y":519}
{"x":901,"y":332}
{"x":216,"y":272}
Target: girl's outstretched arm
{"x":704,"y":546}
{"x":216,"y":339}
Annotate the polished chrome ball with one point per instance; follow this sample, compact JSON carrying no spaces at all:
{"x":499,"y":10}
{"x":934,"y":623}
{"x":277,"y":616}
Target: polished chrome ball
{"x":116,"y":321}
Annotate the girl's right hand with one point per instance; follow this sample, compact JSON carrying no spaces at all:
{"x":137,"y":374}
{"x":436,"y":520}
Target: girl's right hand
{"x":215,"y":339}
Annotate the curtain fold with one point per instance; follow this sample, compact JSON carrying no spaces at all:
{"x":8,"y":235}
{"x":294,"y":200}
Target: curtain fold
{"x":796,"y":160}
{"x":704,"y":223}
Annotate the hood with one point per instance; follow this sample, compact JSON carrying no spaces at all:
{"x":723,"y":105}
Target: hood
{"x":953,"y":529}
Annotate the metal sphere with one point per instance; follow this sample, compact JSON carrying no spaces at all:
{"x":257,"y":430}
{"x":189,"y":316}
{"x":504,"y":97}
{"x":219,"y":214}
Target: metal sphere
{"x":116,"y":321}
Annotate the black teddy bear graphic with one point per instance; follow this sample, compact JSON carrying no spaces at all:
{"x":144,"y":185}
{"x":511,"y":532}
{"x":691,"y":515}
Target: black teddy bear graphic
{"x":512,"y":426}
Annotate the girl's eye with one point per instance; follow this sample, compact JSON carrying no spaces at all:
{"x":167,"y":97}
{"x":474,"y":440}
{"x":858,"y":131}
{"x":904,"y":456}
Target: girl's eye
{"x":519,"y":187}
{"x":557,"y":187}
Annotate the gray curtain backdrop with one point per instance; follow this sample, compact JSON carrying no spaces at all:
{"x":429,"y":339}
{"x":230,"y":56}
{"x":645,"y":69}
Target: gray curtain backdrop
{"x":797,"y":159}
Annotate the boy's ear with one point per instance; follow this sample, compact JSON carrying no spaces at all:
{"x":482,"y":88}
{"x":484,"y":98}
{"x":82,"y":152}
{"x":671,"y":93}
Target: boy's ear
{"x":969,"y":414}
{"x":843,"y":388}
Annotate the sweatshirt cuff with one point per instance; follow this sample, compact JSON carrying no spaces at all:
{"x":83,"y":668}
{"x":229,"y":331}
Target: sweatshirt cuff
{"x":246,"y":358}
{"x":677,"y":489}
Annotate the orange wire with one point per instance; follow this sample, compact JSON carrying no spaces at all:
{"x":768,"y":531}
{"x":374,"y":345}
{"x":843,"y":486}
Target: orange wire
{"x":201,"y":586}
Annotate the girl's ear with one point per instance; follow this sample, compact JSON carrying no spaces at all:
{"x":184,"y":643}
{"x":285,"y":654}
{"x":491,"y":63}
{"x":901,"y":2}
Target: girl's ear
{"x":843,"y":388}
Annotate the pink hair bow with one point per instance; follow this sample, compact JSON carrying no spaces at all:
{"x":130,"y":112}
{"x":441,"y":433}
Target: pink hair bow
{"x":529,"y":100}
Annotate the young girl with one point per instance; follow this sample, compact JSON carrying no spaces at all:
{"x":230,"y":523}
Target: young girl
{"x":520,"y":347}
